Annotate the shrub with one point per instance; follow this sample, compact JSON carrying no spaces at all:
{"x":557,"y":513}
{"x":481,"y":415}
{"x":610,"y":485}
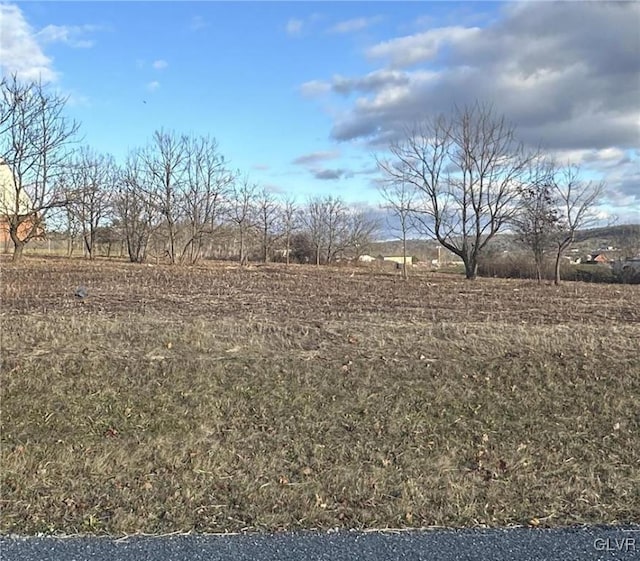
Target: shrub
{"x":520,"y":266}
{"x":511,"y":266}
{"x":627,"y":275}
{"x":590,"y":273}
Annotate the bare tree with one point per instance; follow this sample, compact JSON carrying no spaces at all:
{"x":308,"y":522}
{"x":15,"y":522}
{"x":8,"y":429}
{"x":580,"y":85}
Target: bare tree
{"x":399,"y":198}
{"x":134,"y":208}
{"x":242,"y":212}
{"x":267,"y":221}
{"x":165,"y":164}
{"x":290,"y":218}
{"x":333,"y":228}
{"x":537,"y":221}
{"x":35,"y":139}
{"x":467,"y":169}
{"x":72,"y":228}
{"x":206,"y":185}
{"x":314,"y":220}
{"x":360,"y":232}
{"x":576,"y":200}
{"x":91,"y":181}
{"x":336,"y":227}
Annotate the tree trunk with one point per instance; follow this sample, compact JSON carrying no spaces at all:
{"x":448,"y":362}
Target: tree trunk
{"x":287,"y":249}
{"x":172,"y":246}
{"x":18,"y":244}
{"x":317,"y":256}
{"x":88,"y":246}
{"x":470,"y":269}
{"x":242,"y":248}
{"x":18,"y":249}
{"x":556,"y":279}
{"x":405,"y":274}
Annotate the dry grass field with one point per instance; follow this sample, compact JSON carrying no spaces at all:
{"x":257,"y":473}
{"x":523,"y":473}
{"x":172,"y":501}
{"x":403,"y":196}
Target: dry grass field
{"x":216,"y":399}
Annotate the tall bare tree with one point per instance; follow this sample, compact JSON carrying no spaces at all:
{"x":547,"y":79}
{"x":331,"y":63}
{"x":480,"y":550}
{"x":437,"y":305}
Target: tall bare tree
{"x":267,"y":221}
{"x":314,"y":218}
{"x":290,"y":218}
{"x":35,"y":142}
{"x":336,"y":226}
{"x":91,"y":182}
{"x":399,"y":198}
{"x":165,"y":164}
{"x":576,"y":200}
{"x":134,"y":209}
{"x":467,"y":169}
{"x":72,"y":228}
{"x":241,"y":212}
{"x":206,"y":186}
{"x":537,"y":221}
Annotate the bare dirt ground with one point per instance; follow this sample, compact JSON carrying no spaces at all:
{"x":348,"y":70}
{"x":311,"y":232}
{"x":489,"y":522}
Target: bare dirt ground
{"x":217,"y":399}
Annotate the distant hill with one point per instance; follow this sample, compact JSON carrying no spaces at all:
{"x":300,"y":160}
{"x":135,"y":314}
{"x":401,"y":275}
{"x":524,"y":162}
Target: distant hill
{"x":617,"y":236}
{"x":625,"y":238}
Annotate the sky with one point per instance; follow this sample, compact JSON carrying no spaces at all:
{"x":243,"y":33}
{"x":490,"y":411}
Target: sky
{"x":302,"y":95}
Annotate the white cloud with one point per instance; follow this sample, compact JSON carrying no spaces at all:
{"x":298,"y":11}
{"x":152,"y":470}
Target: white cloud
{"x":20,"y":52}
{"x":356,"y":24}
{"x":421,"y":47}
{"x":590,"y":157}
{"x":314,"y":88}
{"x":153,"y":86}
{"x":70,"y":35}
{"x":540,"y":65}
{"x":197,"y":23}
{"x":294,"y":27}
{"x":378,"y":80}
{"x":160,"y":64}
{"x":297,"y":27}
{"x":567,"y":75}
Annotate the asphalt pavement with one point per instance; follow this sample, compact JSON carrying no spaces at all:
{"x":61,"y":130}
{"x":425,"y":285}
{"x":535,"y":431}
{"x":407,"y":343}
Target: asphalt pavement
{"x":605,"y":543}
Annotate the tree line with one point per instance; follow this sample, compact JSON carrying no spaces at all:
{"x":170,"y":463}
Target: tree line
{"x":176,"y":194}
{"x":459,"y":179}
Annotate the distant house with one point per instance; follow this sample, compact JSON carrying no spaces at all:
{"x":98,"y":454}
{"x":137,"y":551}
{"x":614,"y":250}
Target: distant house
{"x":8,"y":206}
{"x":600,"y":258}
{"x":366,"y":259}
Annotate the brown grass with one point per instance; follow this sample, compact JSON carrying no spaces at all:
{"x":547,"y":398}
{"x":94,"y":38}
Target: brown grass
{"x":218,"y":399}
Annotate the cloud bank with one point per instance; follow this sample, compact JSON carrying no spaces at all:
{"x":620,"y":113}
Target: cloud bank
{"x":566,"y":74}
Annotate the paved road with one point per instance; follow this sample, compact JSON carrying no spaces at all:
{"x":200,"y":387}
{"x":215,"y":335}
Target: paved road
{"x":517,"y":544}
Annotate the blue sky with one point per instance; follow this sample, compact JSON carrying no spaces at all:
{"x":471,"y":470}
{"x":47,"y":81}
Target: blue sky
{"x":301,"y":94}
